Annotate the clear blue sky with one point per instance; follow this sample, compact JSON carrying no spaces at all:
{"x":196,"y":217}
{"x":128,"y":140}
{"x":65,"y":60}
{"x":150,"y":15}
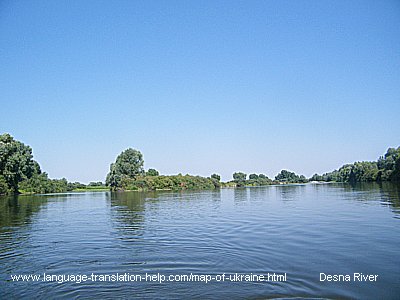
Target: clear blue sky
{"x":200,"y":86}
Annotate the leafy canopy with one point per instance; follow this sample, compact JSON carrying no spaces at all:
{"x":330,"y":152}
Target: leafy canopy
{"x":291,"y":177}
{"x":387,"y":168}
{"x":152,"y":172}
{"x":16,"y":162}
{"x":216,"y":177}
{"x":128,"y":165}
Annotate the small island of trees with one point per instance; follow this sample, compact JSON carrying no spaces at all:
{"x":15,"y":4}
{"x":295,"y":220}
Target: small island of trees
{"x":127,"y":173}
{"x":20,"y":173}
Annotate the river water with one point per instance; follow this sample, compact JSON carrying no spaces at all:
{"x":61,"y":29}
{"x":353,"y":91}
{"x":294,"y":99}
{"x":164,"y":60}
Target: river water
{"x":303,"y":231}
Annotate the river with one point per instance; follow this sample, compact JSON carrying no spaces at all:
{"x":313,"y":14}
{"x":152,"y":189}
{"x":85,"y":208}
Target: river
{"x":141,"y":244}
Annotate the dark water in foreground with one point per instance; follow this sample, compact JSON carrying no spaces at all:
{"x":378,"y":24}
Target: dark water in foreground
{"x":299,"y":230}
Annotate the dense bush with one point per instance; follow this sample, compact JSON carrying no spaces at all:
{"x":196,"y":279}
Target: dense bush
{"x":258,"y":180}
{"x":174,"y":182}
{"x":41,"y":184}
{"x":290,"y":177}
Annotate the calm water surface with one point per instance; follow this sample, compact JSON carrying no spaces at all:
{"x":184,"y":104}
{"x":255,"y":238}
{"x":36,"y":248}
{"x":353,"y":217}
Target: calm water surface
{"x":300,"y":230}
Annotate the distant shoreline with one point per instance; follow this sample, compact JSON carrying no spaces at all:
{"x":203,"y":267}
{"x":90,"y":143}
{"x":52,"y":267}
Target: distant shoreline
{"x":106,"y":189}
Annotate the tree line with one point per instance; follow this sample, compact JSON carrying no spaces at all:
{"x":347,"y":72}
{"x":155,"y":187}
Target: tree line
{"x":20,"y":173}
{"x":386,"y":168}
{"x":127,"y":173}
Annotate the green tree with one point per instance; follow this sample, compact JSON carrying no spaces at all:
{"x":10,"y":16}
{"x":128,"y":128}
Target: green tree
{"x":287,"y":176}
{"x":75,"y":185}
{"x":3,"y":186}
{"x":16,"y":162}
{"x":263,"y":180}
{"x":382,"y":170}
{"x":216,"y":177}
{"x":317,"y":177}
{"x":95,"y":183}
{"x":303,"y":179}
{"x":127,"y":166}
{"x":387,"y":161}
{"x":40,"y":183}
{"x":239,"y":178}
{"x":113,"y":179}
{"x":395,"y":175}
{"x":253,"y":176}
{"x":152,"y":172}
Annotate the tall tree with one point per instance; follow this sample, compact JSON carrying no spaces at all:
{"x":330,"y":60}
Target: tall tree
{"x":128,"y":165}
{"x":16,"y":162}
